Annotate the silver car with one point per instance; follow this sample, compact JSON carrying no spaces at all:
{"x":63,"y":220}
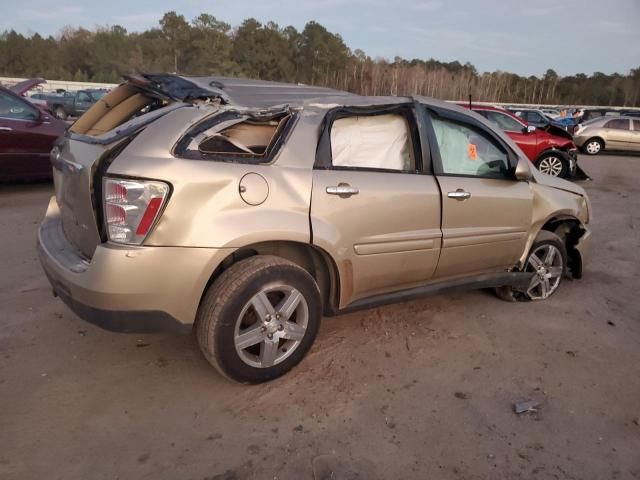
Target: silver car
{"x":618,"y":133}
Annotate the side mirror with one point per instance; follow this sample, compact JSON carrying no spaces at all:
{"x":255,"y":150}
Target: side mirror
{"x":523,"y":170}
{"x":529,"y":129}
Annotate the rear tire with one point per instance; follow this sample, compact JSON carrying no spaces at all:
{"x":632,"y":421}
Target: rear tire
{"x":553,"y":163}
{"x":259,"y":319}
{"x":593,"y":146}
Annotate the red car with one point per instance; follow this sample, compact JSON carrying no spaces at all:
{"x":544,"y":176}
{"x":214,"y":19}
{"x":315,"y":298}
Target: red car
{"x":550,"y":149}
{"x":27,"y":135}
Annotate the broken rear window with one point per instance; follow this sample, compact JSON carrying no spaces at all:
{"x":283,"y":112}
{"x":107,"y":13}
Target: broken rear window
{"x":243,"y":139}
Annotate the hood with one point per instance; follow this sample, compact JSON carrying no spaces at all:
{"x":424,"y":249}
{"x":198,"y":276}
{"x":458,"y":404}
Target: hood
{"x":558,"y":183}
{"x":557,"y":131}
{"x":23,"y":87}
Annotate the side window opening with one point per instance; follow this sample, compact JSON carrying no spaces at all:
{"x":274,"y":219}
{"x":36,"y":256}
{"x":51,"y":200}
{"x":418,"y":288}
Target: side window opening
{"x":618,"y":124}
{"x":466,"y":150}
{"x":233,"y":136}
{"x":252,"y":138}
{"x":381,"y":141}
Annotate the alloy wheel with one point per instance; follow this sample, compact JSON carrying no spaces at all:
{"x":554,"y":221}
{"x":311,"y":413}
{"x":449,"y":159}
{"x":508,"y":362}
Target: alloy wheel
{"x":551,"y":166}
{"x":546,"y":263}
{"x":271,"y":326}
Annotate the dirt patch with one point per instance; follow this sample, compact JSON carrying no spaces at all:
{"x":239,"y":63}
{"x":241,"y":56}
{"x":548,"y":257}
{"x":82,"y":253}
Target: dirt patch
{"x":424,"y":389}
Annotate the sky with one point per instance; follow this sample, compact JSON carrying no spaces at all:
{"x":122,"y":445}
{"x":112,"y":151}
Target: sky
{"x":521,"y":36}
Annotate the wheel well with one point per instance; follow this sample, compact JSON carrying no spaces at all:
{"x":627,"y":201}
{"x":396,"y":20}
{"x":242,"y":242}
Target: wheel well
{"x":569,"y":229}
{"x":315,"y":261}
{"x":600,"y":139}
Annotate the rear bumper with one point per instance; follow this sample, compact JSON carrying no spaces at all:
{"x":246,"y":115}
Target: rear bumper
{"x":124,"y":288}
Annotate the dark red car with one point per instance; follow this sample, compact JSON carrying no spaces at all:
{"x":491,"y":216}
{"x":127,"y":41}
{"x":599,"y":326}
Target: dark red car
{"x":27,"y":134}
{"x":550,"y":149}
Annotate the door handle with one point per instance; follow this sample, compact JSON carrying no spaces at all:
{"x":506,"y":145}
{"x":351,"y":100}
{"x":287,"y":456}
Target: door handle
{"x":6,"y":129}
{"x":459,"y":195}
{"x":343,"y":190}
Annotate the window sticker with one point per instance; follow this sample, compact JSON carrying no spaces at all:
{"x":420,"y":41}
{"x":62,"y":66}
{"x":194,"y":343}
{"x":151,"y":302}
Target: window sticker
{"x":472,"y":151}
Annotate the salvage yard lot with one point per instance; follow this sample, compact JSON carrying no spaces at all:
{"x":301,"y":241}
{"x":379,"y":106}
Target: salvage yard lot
{"x":423,"y":389}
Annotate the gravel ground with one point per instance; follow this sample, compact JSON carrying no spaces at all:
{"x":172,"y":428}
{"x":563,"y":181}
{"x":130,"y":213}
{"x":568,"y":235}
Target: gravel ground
{"x":423,"y":389}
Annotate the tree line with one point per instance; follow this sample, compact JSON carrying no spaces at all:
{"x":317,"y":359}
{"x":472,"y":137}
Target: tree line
{"x":208,"y":46}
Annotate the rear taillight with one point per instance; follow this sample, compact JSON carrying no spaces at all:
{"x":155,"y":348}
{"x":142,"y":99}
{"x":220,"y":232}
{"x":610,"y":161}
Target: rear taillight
{"x":131,"y":207}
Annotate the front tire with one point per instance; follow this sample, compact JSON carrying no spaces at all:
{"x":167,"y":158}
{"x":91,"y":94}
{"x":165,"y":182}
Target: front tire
{"x":259,"y":319}
{"x":553,"y":163}
{"x":547,"y":261}
{"x":593,"y":146}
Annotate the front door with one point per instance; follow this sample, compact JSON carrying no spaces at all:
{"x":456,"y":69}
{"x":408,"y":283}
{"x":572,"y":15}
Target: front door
{"x":486,"y":213}
{"x":372,"y":208}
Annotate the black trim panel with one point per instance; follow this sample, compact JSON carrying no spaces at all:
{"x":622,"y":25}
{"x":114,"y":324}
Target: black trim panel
{"x":518,"y":280}
{"x":138,"y":321}
{"x":130,"y":321}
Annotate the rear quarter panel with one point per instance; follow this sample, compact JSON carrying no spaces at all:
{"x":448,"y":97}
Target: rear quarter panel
{"x":205,"y":208}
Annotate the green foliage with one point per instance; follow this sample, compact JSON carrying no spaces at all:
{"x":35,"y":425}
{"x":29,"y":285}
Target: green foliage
{"x":208,"y":46}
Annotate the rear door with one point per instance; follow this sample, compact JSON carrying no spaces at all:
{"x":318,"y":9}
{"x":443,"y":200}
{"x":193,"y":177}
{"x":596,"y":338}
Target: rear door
{"x":486,"y":212}
{"x":618,"y":134}
{"x":373,"y":208}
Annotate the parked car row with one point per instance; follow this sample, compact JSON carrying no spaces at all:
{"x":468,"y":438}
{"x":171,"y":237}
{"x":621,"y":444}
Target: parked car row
{"x":550,"y":148}
{"x":591,"y":131}
{"x":70,"y":104}
{"x":540,"y":119}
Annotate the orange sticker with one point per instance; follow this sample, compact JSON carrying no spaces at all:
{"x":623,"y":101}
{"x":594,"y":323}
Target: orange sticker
{"x":472,"y":151}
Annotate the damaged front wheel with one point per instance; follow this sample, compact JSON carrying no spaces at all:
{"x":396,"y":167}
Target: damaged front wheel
{"x":547,"y":262}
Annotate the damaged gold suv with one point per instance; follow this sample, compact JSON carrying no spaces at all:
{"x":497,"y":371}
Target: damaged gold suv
{"x":247,"y":210}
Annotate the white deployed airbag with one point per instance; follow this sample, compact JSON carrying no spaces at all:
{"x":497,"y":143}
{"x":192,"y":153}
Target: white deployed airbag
{"x":378,"y":141}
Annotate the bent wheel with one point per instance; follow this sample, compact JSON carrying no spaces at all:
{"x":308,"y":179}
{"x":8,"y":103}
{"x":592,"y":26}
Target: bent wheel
{"x":547,"y":261}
